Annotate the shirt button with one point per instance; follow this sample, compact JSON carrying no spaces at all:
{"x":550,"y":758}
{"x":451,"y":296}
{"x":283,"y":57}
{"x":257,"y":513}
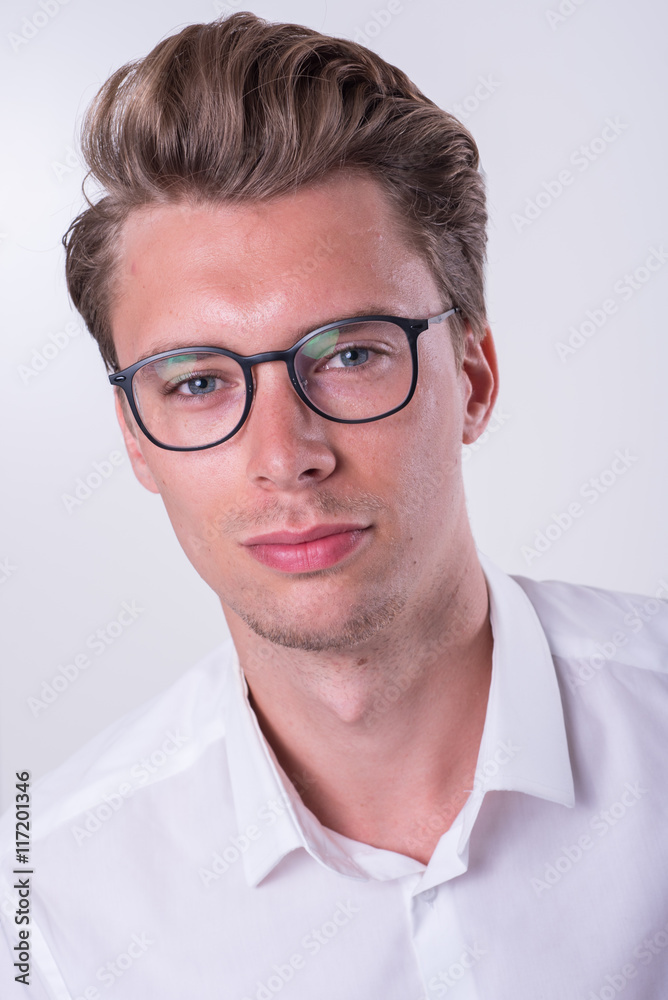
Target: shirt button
{"x":429,"y":895}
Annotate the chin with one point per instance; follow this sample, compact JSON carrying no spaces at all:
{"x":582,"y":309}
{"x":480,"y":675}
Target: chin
{"x":297,"y":631}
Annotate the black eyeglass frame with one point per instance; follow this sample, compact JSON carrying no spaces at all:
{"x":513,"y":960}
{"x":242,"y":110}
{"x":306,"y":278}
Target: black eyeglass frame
{"x":411,"y":327}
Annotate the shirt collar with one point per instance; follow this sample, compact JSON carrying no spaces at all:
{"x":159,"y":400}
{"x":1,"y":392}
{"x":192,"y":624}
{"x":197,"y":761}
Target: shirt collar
{"x":272,"y":819}
{"x":523,"y":749}
{"x":524,"y":746}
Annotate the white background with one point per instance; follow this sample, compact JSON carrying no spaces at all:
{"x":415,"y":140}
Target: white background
{"x":550,"y":89}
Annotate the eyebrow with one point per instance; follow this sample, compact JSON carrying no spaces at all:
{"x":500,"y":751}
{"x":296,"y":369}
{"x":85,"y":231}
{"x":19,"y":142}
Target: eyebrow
{"x":161,"y":347}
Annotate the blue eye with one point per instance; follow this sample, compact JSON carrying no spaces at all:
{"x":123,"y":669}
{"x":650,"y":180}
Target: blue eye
{"x":198,"y":386}
{"x":354,"y":356}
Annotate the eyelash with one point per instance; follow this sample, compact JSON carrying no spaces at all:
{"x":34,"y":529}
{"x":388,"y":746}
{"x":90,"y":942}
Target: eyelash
{"x":171,"y":387}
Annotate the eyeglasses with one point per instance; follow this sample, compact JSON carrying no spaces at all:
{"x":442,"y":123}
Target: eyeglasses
{"x":352,"y":372}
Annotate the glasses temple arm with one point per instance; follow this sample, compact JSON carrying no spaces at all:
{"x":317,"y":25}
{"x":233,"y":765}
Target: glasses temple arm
{"x":443,"y":316}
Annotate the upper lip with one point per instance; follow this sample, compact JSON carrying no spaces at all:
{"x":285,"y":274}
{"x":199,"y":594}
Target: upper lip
{"x":296,"y":537}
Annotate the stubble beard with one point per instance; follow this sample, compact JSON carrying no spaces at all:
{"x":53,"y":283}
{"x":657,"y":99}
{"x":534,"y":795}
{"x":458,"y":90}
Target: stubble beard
{"x":363,"y":624}
{"x":277,"y":622}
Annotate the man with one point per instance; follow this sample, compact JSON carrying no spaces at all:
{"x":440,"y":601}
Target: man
{"x":406,"y":775}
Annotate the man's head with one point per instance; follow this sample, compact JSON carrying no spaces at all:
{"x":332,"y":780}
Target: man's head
{"x":241,"y":110}
{"x":305,"y":207}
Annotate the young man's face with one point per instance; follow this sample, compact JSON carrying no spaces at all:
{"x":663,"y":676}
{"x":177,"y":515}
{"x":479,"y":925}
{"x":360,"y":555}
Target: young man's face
{"x":257,"y":277}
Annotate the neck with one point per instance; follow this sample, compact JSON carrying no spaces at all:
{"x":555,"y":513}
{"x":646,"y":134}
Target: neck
{"x":381,"y":741}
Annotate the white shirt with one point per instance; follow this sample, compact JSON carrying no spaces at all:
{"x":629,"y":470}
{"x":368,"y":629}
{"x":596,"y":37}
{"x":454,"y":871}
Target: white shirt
{"x":173,"y":859}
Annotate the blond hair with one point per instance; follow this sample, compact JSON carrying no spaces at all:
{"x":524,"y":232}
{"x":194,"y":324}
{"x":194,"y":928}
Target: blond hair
{"x":242,"y":109}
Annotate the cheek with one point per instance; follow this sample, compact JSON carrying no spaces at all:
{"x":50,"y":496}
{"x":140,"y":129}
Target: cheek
{"x":195,"y":489}
{"x":412,"y":461}
{"x":432,"y":429}
{"x":442,"y":410}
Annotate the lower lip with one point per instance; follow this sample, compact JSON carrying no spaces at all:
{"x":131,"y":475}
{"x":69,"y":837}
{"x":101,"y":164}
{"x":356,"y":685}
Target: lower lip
{"x":305,"y":557}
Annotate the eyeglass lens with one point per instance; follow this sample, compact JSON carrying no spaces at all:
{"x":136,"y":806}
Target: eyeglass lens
{"x":353,"y":372}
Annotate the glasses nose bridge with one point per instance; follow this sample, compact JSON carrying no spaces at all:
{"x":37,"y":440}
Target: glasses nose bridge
{"x":265,"y":356}
{"x":286,"y":356}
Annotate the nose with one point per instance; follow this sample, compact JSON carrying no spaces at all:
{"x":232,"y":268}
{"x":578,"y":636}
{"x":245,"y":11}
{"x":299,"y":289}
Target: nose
{"x":287,"y":443}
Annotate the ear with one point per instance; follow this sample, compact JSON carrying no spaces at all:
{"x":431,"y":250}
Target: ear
{"x":131,"y":437}
{"x":480,"y":376}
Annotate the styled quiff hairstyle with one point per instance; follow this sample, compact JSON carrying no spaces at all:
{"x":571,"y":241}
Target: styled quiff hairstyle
{"x":243,"y":109}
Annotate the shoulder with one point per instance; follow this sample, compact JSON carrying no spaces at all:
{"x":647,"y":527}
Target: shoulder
{"x":160,"y":738}
{"x":582,"y":622}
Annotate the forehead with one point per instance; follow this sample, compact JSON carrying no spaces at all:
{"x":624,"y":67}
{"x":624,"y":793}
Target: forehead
{"x":204,"y":271}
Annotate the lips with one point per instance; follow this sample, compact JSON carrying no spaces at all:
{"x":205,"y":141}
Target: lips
{"x":297,"y":537}
{"x":319,"y":547}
